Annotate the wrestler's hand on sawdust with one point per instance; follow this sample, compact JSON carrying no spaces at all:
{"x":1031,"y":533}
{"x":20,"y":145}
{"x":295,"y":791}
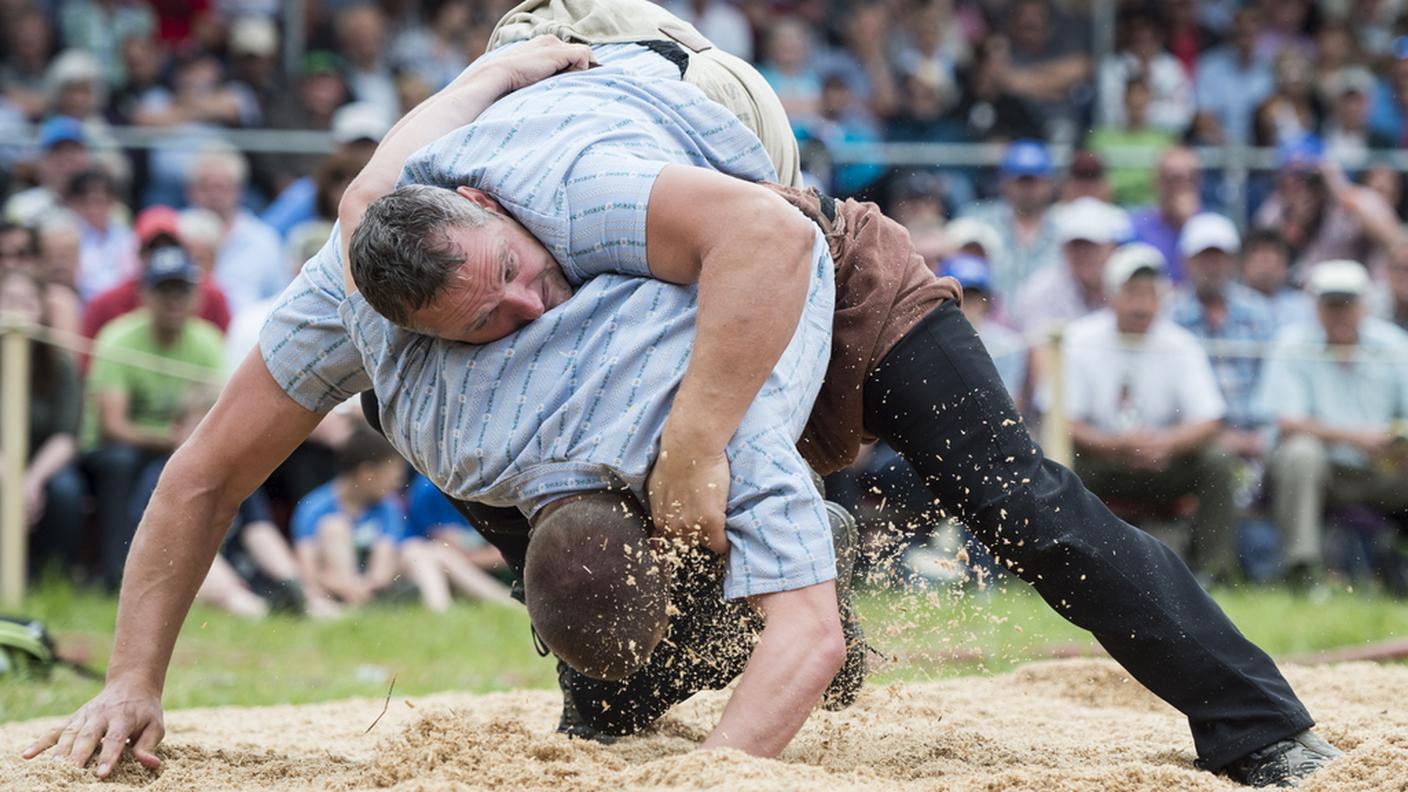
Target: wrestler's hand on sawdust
{"x":538,"y":60}
{"x":119,"y":716}
{"x":688,"y":491}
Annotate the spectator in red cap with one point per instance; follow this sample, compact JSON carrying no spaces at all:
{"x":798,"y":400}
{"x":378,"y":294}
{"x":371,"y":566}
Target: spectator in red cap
{"x":155,"y":227}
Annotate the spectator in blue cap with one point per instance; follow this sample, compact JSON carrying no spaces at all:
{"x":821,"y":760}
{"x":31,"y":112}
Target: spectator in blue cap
{"x":1022,"y":217}
{"x":1008,"y":350}
{"x":1322,"y":215}
{"x":63,"y":154}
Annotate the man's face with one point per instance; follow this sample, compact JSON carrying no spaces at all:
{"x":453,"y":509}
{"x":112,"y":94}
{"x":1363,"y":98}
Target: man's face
{"x":1087,"y":262}
{"x":1265,"y":268}
{"x":1340,"y":316}
{"x":15,"y":252}
{"x":1136,"y":304}
{"x":1210,"y":271}
{"x":94,"y":205}
{"x":215,"y":189}
{"x":382,"y":478}
{"x":171,"y":304}
{"x":1028,"y":194}
{"x":507,"y":280}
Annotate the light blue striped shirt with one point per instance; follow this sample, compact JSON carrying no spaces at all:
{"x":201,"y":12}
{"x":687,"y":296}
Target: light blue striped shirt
{"x":577,"y":399}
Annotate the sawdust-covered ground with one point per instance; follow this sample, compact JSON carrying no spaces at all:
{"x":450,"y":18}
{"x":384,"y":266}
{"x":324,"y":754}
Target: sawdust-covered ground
{"x":1049,"y":726}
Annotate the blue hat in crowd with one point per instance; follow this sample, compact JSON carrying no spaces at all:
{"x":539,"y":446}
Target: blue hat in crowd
{"x":971,"y":272}
{"x":170,"y":264}
{"x":1301,"y":153}
{"x":1026,"y":158}
{"x":61,"y":129}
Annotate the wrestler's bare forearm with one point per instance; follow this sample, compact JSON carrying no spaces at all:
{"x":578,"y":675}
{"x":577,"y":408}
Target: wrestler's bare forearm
{"x":797,"y":655}
{"x":251,"y":429}
{"x":750,"y":252}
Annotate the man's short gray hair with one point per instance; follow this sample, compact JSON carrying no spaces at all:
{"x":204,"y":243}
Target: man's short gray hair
{"x":402,"y":254}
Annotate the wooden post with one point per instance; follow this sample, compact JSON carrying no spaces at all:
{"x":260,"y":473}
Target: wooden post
{"x":1055,"y":429}
{"x":14,"y":437}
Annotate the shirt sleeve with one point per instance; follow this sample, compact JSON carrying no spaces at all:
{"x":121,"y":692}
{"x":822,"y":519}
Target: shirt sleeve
{"x":1282,"y":394}
{"x":608,"y":196}
{"x":1199,"y":400}
{"x":304,"y":524}
{"x":304,"y":343}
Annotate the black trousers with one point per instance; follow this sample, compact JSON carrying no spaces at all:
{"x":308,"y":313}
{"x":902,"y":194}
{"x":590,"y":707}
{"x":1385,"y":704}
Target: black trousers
{"x":936,"y":399}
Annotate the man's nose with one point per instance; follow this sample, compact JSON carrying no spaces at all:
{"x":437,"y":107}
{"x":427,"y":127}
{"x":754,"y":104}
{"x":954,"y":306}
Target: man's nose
{"x":526,"y":303}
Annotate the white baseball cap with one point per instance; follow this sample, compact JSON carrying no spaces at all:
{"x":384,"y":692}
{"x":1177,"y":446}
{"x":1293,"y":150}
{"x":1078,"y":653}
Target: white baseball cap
{"x":254,"y":35}
{"x":1338,"y":278}
{"x":972,"y":231}
{"x":359,"y":121}
{"x":1092,"y":220}
{"x":1209,"y":231}
{"x":1130,"y":260}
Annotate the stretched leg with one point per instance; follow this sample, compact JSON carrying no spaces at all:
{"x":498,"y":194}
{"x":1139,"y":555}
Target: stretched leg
{"x":468,"y":579}
{"x":937,"y":399}
{"x":423,"y":568}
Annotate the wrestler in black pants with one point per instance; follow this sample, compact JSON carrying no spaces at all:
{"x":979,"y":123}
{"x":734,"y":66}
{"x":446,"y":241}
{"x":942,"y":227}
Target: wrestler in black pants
{"x":937,"y":400}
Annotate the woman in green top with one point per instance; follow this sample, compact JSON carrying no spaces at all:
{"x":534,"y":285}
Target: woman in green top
{"x":54,"y":492}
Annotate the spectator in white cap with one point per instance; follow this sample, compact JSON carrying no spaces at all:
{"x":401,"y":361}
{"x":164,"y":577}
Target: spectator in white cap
{"x":1338,"y":391}
{"x":1145,"y":412}
{"x":969,"y":236}
{"x":1088,"y":230}
{"x":1215,"y":308}
{"x":356,"y":129}
{"x":254,"y":65}
{"x":249,"y":265}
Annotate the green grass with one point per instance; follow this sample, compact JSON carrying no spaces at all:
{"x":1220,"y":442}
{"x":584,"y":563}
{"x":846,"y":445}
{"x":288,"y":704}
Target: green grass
{"x":223,"y":660}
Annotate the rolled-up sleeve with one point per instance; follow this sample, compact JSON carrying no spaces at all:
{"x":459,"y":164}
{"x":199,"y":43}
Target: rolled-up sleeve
{"x":608,"y":196}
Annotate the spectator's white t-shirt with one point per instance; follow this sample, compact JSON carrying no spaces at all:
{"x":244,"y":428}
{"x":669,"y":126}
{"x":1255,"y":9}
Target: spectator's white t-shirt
{"x":1159,"y":381}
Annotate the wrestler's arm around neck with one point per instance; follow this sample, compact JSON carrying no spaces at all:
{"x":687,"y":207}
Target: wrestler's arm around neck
{"x":457,"y":104}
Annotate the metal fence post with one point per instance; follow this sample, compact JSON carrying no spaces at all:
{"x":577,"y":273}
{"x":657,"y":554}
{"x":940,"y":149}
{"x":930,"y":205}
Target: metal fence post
{"x":14,"y":437}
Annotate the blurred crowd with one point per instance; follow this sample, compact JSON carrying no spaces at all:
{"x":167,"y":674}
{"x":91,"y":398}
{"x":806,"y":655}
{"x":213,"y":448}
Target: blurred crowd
{"x":1234,"y":370}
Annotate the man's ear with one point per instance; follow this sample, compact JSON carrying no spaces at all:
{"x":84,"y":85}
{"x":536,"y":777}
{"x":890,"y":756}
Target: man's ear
{"x":480,"y":198}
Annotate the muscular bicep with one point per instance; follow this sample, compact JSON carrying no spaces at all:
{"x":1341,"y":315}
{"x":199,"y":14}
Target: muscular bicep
{"x":253,"y":427}
{"x":691,"y":210}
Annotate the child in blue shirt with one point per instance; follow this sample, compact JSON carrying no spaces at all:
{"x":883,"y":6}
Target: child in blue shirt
{"x":346,"y":533}
{"x":441,"y":551}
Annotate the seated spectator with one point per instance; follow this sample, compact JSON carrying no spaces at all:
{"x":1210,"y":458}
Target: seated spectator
{"x":1145,"y":412}
{"x":436,"y":552}
{"x":131,"y":414}
{"x":75,"y":89}
{"x":29,"y":41}
{"x":1214,"y":307}
{"x":1391,"y":98}
{"x":319,"y":93}
{"x":157,"y":227}
{"x":1178,"y":185}
{"x":840,"y":120}
{"x":970,"y":236}
{"x":1135,"y":135}
{"x":356,"y":129}
{"x":107,"y":253}
{"x":1348,"y":135}
{"x":1022,"y":217}
{"x":1266,"y":270}
{"x":255,"y":72}
{"x":59,"y":248}
{"x":1338,"y":391}
{"x":19,"y":248}
{"x":1292,"y":110}
{"x":1166,"y":104}
{"x":202,"y":234}
{"x":100,"y":28}
{"x":987,"y":110}
{"x":361,"y":40}
{"x":1071,"y":288}
{"x":63,"y":154}
{"x":1085,"y":178}
{"x":720,"y":22}
{"x":1232,"y":81}
{"x":53,"y":487}
{"x":1008,"y":349}
{"x":434,"y":53}
{"x":255,"y":571}
{"x":1046,"y":66}
{"x":863,"y":55}
{"x":1321,"y":215}
{"x":346,"y":532}
{"x":788,"y":69}
{"x":249,"y":265}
